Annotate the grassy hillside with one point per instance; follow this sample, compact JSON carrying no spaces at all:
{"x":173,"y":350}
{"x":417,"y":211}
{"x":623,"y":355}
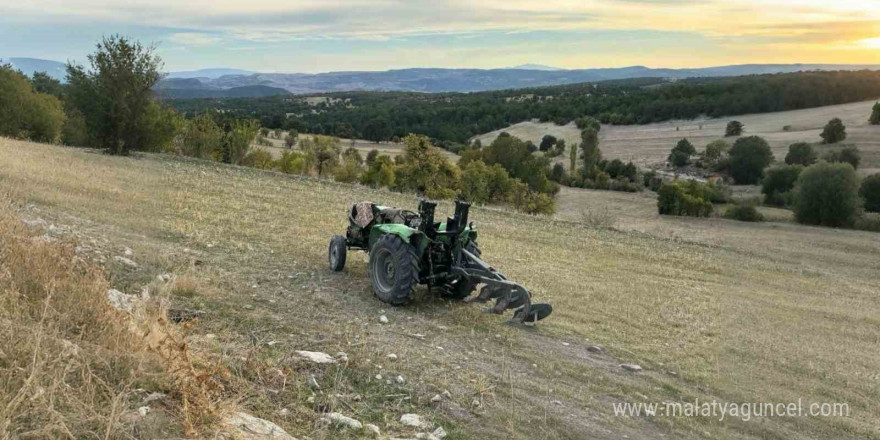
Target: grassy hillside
{"x":767,"y":313}
{"x":649,"y":145}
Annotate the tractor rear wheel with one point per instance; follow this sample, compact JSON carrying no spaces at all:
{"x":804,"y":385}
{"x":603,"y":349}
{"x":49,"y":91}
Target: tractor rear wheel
{"x":461,"y":288}
{"x":394,"y":269}
{"x":337,"y":253}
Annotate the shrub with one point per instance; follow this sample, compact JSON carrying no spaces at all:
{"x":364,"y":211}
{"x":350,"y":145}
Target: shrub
{"x":875,"y":114}
{"x":870,"y":192}
{"x":424,"y":169}
{"x":800,"y":153}
{"x":351,"y":153}
{"x":744,"y":213}
{"x":625,"y":185}
{"x":202,"y":138}
{"x":715,"y":151}
{"x":371,"y":156}
{"x":867,"y":222}
{"x":833,"y":132}
{"x":547,"y":142}
{"x":587,"y":122}
{"x":614,"y":168}
{"x":734,"y":128}
{"x":850,"y":155}
{"x":525,"y":200}
{"x":748,"y":158}
{"x":827,"y":194}
{"x":291,"y":162}
{"x":779,"y":181}
{"x":322,"y":152}
{"x":475,"y":182}
{"x":290,"y":139}
{"x":25,"y":113}
{"x":683,"y":198}
{"x":380,"y":172}
{"x":237,"y":140}
{"x":349,"y":172}
{"x":258,"y":158}
{"x":681,"y":153}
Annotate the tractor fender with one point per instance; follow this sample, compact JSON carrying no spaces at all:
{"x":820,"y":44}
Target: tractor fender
{"x":409,"y":235}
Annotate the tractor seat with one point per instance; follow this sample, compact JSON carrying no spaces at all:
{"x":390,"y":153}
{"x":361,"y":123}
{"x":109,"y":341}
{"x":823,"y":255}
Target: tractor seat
{"x":362,"y":214}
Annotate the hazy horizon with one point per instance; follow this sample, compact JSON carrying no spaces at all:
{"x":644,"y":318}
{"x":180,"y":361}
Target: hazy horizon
{"x":311,"y":36}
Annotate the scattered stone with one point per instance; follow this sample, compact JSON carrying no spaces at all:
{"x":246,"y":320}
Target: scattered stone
{"x":392,"y":356}
{"x":383,"y":319}
{"x":163,"y":278}
{"x":436,"y":398}
{"x":127,"y":251}
{"x":672,"y":373}
{"x":121,"y":301}
{"x":153,"y":397}
{"x":413,"y":420}
{"x":476,"y":403}
{"x":565,"y":344}
{"x":631,"y":367}
{"x":54,"y":230}
{"x":248,"y":427}
{"x":594,"y":349}
{"x":311,"y":399}
{"x":283,"y":412}
{"x":534,"y":365}
{"x":210,"y":336}
{"x":439,"y":432}
{"x":342,"y":356}
{"x":446,"y":394}
{"x":143,"y":411}
{"x":400,"y":380}
{"x":556,"y":402}
{"x":340,"y":421}
{"x":125,"y":262}
{"x":316,"y":357}
{"x":312,"y":383}
{"x":378,"y":377}
{"x":372,"y":429}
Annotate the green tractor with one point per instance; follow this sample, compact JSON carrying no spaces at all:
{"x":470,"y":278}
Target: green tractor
{"x":408,"y":248}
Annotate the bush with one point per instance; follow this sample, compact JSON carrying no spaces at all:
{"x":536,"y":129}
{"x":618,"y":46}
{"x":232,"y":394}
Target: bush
{"x":683,"y":198}
{"x":237,"y":140}
{"x":870,"y":192}
{"x":827,"y":194}
{"x":744,"y":213}
{"x":875,"y":114}
{"x":547,"y":142}
{"x":258,"y":158}
{"x":868,"y":222}
{"x":778,"y":181}
{"x":291,"y":162}
{"x":202,"y":138}
{"x":715,"y":151}
{"x":349,"y":172}
{"x":681,"y":153}
{"x":290,"y":139}
{"x":424,"y":169}
{"x":800,"y":153}
{"x":833,"y":132}
{"x":587,"y":122}
{"x":734,"y":128}
{"x":371,"y":156}
{"x":748,"y":158}
{"x":380,"y":172}
{"x":25,"y":113}
{"x":850,"y":155}
{"x":530,"y":202}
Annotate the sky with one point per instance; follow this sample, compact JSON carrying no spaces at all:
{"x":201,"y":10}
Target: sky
{"x":339,"y":35}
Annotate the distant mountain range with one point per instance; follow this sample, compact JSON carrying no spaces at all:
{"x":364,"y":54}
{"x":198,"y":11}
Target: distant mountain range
{"x":225,"y":82}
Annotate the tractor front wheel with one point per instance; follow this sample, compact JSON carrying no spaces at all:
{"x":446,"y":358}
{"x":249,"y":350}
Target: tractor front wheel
{"x":337,"y":253}
{"x":394,"y":269}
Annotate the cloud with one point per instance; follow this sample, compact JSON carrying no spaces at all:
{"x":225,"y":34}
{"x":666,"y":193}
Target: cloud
{"x":192,"y":39}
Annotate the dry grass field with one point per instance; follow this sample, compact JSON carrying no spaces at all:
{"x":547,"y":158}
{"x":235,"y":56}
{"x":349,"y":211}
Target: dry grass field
{"x":649,"y":145}
{"x":710,"y":308}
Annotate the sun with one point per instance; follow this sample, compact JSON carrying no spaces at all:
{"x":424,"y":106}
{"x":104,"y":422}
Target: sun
{"x":871,"y":43}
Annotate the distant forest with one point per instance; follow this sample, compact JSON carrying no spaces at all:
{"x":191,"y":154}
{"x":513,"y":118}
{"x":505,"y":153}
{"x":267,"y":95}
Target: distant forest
{"x":453,"y":118}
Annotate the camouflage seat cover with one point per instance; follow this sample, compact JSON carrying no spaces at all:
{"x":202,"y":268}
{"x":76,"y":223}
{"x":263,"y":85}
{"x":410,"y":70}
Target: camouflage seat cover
{"x":363,"y":214}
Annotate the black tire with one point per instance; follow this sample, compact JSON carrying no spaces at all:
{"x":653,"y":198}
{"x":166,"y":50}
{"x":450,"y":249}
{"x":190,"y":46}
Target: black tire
{"x":336,"y":253}
{"x":461,"y":288}
{"x":394,"y":269}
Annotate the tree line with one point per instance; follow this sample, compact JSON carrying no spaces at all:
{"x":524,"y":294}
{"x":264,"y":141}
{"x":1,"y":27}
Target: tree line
{"x":452,"y":119}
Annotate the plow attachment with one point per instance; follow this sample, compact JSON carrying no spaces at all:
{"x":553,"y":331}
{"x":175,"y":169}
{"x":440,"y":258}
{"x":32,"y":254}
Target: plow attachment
{"x":508,"y":295}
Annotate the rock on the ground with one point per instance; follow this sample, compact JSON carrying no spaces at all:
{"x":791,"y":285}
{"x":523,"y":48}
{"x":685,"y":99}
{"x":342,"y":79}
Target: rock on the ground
{"x":125,"y":262}
{"x":143,"y":411}
{"x":436,"y":398}
{"x":153,"y":397}
{"x":383,"y":319}
{"x":163,"y":278}
{"x":121,"y":301}
{"x":413,"y":420}
{"x":631,"y":367}
{"x":594,"y":349}
{"x":312,"y":383}
{"x":248,"y":427}
{"x":446,"y":394}
{"x":340,"y":421}
{"x":372,"y":430}
{"x":400,"y":380}
{"x":127,"y":251}
{"x":342,"y":356}
{"x":316,"y":357}
{"x":392,"y":357}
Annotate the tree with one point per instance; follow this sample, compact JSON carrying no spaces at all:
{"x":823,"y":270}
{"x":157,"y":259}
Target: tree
{"x":572,"y":158}
{"x":833,"y":132}
{"x":849,"y":154}
{"x":870,"y":192}
{"x":547,"y":142}
{"x":43,"y":83}
{"x":353,"y":154}
{"x":614,"y":168}
{"x":290,"y":139}
{"x":827,"y":194}
{"x":380,"y":172}
{"x":587,"y":122}
{"x":371,"y":156}
{"x":734,"y":128}
{"x":530,"y":146}
{"x":875,"y":114}
{"x":557,"y":173}
{"x":237,"y":138}
{"x":26,"y":113}
{"x":778,"y":182}
{"x":377,"y":130}
{"x":322,"y":152}
{"x":681,"y":153}
{"x":591,"y":154}
{"x":748,"y":158}
{"x":800,"y":153}
{"x":115,"y":95}
{"x":425,"y":170}
{"x":202,"y":138}
{"x":475,"y":183}
{"x":715,"y":151}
